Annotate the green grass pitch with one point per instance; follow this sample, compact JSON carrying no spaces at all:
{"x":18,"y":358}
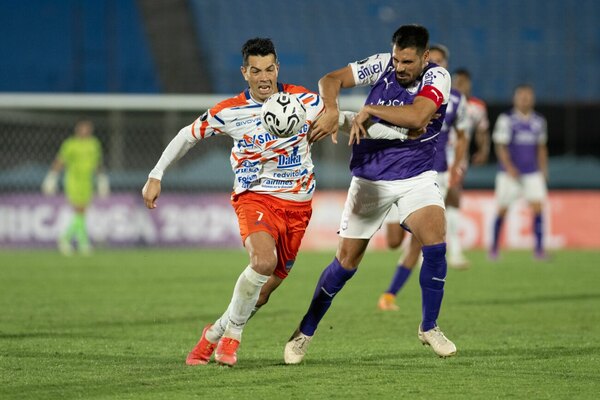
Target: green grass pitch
{"x":120,"y":323}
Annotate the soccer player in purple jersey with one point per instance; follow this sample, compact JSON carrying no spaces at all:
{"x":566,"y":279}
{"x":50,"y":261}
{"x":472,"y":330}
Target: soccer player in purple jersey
{"x":520,"y":140}
{"x":455,"y":118}
{"x":407,"y":93}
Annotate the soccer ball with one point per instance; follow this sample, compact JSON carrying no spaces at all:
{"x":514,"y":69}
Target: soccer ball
{"x":283,"y":114}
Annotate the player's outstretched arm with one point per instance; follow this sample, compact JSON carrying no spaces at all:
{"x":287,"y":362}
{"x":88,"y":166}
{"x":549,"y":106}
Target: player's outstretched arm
{"x":329,"y":90}
{"x":150,"y":192}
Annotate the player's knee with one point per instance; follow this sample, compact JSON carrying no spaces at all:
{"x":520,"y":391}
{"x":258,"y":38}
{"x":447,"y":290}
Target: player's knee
{"x":264,"y":264}
{"x":394,"y":242}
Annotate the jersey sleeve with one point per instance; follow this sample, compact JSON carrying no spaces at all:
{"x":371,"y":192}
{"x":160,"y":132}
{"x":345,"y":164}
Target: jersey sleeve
{"x":501,"y":133}
{"x":436,"y":85}
{"x":314,"y":106}
{"x":368,"y":71}
{"x":209,"y":124}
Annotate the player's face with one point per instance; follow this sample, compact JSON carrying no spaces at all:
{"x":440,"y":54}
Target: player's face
{"x":462,"y":84}
{"x":261,"y":75}
{"x":84,"y":129}
{"x":437,"y":57}
{"x":408,"y":64}
{"x":524,"y":100}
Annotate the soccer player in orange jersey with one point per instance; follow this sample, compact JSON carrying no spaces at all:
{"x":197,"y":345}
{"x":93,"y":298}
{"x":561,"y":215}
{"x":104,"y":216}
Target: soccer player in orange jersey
{"x":274,"y":184}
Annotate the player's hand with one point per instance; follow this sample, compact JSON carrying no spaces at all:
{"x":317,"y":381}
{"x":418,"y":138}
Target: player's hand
{"x":50,"y":183}
{"x":326,"y":125}
{"x":358,"y":128}
{"x":103,"y":185}
{"x":416,"y":133}
{"x":150,"y":192}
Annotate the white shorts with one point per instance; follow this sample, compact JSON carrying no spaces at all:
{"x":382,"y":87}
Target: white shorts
{"x":443,"y":181}
{"x":369,"y":202}
{"x":531,"y":186}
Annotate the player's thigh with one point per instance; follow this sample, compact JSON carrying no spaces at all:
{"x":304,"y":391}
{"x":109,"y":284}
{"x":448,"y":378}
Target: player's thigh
{"x":428,"y":225}
{"x":423,"y":194}
{"x":79,"y":193}
{"x":366,"y":207}
{"x":394,"y":232}
{"x":453,"y":196}
{"x":534,"y":187}
{"x":507,"y":189}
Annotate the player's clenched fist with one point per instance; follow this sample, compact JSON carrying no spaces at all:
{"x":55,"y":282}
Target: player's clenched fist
{"x":150,"y":192}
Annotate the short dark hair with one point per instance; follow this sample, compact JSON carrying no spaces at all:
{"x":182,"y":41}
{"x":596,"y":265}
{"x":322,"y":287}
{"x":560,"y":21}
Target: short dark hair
{"x":442,"y":49}
{"x":462,"y":71}
{"x":411,"y":36}
{"x":258,"y":47}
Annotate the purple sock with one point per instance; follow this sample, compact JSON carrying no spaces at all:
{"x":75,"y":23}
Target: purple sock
{"x":497,"y":228}
{"x":538,"y":229}
{"x":332,"y":280}
{"x":400,"y":278}
{"x":432,"y":278}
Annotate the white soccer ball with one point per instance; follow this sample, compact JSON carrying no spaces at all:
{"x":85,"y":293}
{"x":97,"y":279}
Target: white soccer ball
{"x":283,"y":114}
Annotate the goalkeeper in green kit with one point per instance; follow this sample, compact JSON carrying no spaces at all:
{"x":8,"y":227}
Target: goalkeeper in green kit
{"x":81,"y":157}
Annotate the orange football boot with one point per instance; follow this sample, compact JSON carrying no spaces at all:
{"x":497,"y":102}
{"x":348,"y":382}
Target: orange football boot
{"x":201,"y":353}
{"x":226,"y":353}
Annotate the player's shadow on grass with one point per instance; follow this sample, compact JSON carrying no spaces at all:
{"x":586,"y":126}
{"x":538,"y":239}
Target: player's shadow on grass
{"x":532,"y":300}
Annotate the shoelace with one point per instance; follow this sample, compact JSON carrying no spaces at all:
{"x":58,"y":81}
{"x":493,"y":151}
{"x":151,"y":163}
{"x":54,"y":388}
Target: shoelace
{"x":300,"y":342}
{"x":439,"y":336}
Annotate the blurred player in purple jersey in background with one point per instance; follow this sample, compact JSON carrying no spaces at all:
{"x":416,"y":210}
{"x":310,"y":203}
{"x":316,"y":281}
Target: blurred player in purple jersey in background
{"x":447,"y":176}
{"x":407,"y":92}
{"x":520,"y":140}
{"x":477,"y":128}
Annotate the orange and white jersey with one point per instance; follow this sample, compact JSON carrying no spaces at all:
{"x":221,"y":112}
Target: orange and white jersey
{"x":261,"y":162}
{"x":476,"y":118}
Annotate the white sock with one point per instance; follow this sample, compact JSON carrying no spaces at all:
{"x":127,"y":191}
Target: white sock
{"x":216,"y":331}
{"x":453,"y":221}
{"x":245,"y":295}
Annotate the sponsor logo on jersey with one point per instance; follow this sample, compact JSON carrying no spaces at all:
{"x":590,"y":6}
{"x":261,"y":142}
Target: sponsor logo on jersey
{"x":368,"y":70}
{"x":385,"y":80}
{"x":291,"y":161}
{"x":259,"y":139}
{"x":247,"y":180}
{"x":289,"y":264}
{"x":250,"y":121}
{"x":297,"y":173}
{"x":428,"y":78}
{"x":389,"y":102}
{"x":277,"y":183}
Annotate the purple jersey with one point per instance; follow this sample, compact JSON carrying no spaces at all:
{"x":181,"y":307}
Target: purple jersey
{"x":522,"y":135}
{"x":455,"y":117}
{"x":380,"y":159}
